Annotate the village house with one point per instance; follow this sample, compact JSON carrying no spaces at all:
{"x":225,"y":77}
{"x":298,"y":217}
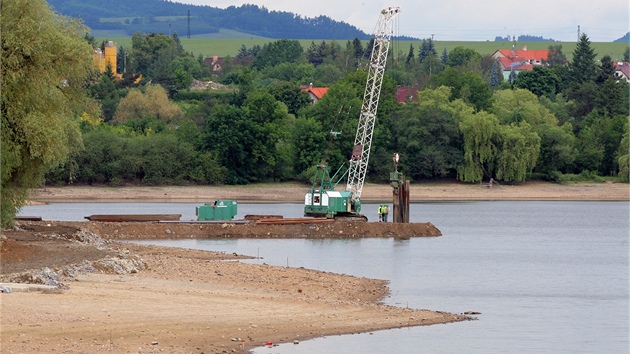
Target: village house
{"x":106,"y":57}
{"x":215,"y":63}
{"x":519,"y":60}
{"x":406,"y":94}
{"x":622,"y":71}
{"x":315,"y":93}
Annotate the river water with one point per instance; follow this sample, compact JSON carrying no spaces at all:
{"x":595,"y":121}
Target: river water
{"x":547,"y":277}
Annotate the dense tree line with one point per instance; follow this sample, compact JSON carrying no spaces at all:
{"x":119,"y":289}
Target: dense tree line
{"x":557,"y":121}
{"x":69,"y":124}
{"x":72,"y":125}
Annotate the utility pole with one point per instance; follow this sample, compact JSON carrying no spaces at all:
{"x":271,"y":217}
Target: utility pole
{"x":188,"y":24}
{"x":578,"y":33}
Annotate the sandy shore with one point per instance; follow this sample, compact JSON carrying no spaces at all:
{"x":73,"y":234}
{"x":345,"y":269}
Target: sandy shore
{"x":189,"y":302}
{"x":186,"y":301}
{"x":293,"y":192}
{"x":181,"y":301}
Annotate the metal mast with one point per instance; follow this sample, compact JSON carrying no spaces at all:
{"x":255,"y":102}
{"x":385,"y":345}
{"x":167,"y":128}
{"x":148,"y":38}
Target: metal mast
{"x":363,"y":140}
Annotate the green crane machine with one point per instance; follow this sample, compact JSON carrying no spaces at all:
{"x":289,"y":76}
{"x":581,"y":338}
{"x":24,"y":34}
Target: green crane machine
{"x":322,"y":200}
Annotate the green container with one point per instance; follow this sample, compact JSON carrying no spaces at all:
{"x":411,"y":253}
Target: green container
{"x":219,"y":210}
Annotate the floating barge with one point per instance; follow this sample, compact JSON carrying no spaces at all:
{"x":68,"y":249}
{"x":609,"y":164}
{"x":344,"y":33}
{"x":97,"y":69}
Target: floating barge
{"x":134,"y":217}
{"x":28,"y":218}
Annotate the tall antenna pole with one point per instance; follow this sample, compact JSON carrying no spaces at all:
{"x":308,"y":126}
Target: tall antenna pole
{"x":578,"y":33}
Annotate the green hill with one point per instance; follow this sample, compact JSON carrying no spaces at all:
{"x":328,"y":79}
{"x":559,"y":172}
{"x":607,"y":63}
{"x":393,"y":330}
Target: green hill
{"x":160,"y":16}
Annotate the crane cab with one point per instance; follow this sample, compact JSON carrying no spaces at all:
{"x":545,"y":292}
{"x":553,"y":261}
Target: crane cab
{"x":330,"y":204}
{"x":322,"y":200}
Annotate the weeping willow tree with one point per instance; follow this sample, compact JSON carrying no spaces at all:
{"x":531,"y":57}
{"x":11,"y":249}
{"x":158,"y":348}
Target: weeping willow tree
{"x":518,"y":152}
{"x":623,"y":155}
{"x":491,"y":150}
{"x":44,"y":66}
{"x":479,"y":132}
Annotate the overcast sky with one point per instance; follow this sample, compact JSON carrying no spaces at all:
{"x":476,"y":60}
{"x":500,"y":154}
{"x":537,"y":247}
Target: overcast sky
{"x":603,"y":21}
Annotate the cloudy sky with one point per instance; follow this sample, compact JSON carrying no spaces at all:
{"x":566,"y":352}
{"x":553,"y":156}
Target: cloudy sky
{"x":603,"y":21}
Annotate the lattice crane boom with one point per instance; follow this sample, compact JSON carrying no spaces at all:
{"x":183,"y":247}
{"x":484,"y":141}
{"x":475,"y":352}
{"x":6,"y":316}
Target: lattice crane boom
{"x":363,"y":140}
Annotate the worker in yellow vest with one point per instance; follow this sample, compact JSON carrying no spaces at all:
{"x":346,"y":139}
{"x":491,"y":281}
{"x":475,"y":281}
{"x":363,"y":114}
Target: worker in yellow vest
{"x":380,"y":213}
{"x":384,"y":212}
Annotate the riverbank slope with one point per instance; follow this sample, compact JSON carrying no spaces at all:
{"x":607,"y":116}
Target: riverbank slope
{"x":372,"y":193}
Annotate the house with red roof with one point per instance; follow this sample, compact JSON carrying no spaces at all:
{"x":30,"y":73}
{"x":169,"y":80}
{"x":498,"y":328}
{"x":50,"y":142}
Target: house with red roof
{"x":406,"y":94}
{"x":315,"y":93}
{"x":519,"y":60}
{"x":622,"y":71}
{"x":215,"y":62}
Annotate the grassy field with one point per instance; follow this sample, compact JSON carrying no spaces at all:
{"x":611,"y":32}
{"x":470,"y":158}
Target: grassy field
{"x":228,"y":42}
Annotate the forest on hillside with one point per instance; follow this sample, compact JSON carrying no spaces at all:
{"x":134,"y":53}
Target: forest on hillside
{"x":160,"y":16}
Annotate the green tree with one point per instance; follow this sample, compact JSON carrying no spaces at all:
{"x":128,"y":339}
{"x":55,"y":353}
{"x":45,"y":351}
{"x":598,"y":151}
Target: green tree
{"x":555,"y":57}
{"x":410,"y":55}
{"x":427,"y":135}
{"x":121,"y":59}
{"x":153,"y":103}
{"x":584,"y":98}
{"x":160,"y":71}
{"x":479,"y":132}
{"x":308,"y":139}
{"x":444,"y":56}
{"x":281,"y":51}
{"x":540,"y":81}
{"x":590,"y":150}
{"x":519,"y":147}
{"x":468,"y":86}
{"x":623,"y":154}
{"x":152,"y":53}
{"x":229,"y":134}
{"x":164,"y":158}
{"x":45,"y":64}
{"x":605,"y":134}
{"x":583,"y":66}
{"x":106,"y":92}
{"x":102,"y":159}
{"x":520,"y":105}
{"x":313,"y":55}
{"x":269,"y":119}
{"x":327,"y":74}
{"x":189,"y":132}
{"x":612,"y":95}
{"x":291,"y":72}
{"x":461,"y":56}
{"x":431,"y":65}
{"x":338,"y":111}
{"x":606,"y":70}
{"x":184,"y":69}
{"x":357,"y":46}
{"x":557,"y":149}
{"x":291,"y":95}
{"x":495,"y":75}
{"x":426,"y":49}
